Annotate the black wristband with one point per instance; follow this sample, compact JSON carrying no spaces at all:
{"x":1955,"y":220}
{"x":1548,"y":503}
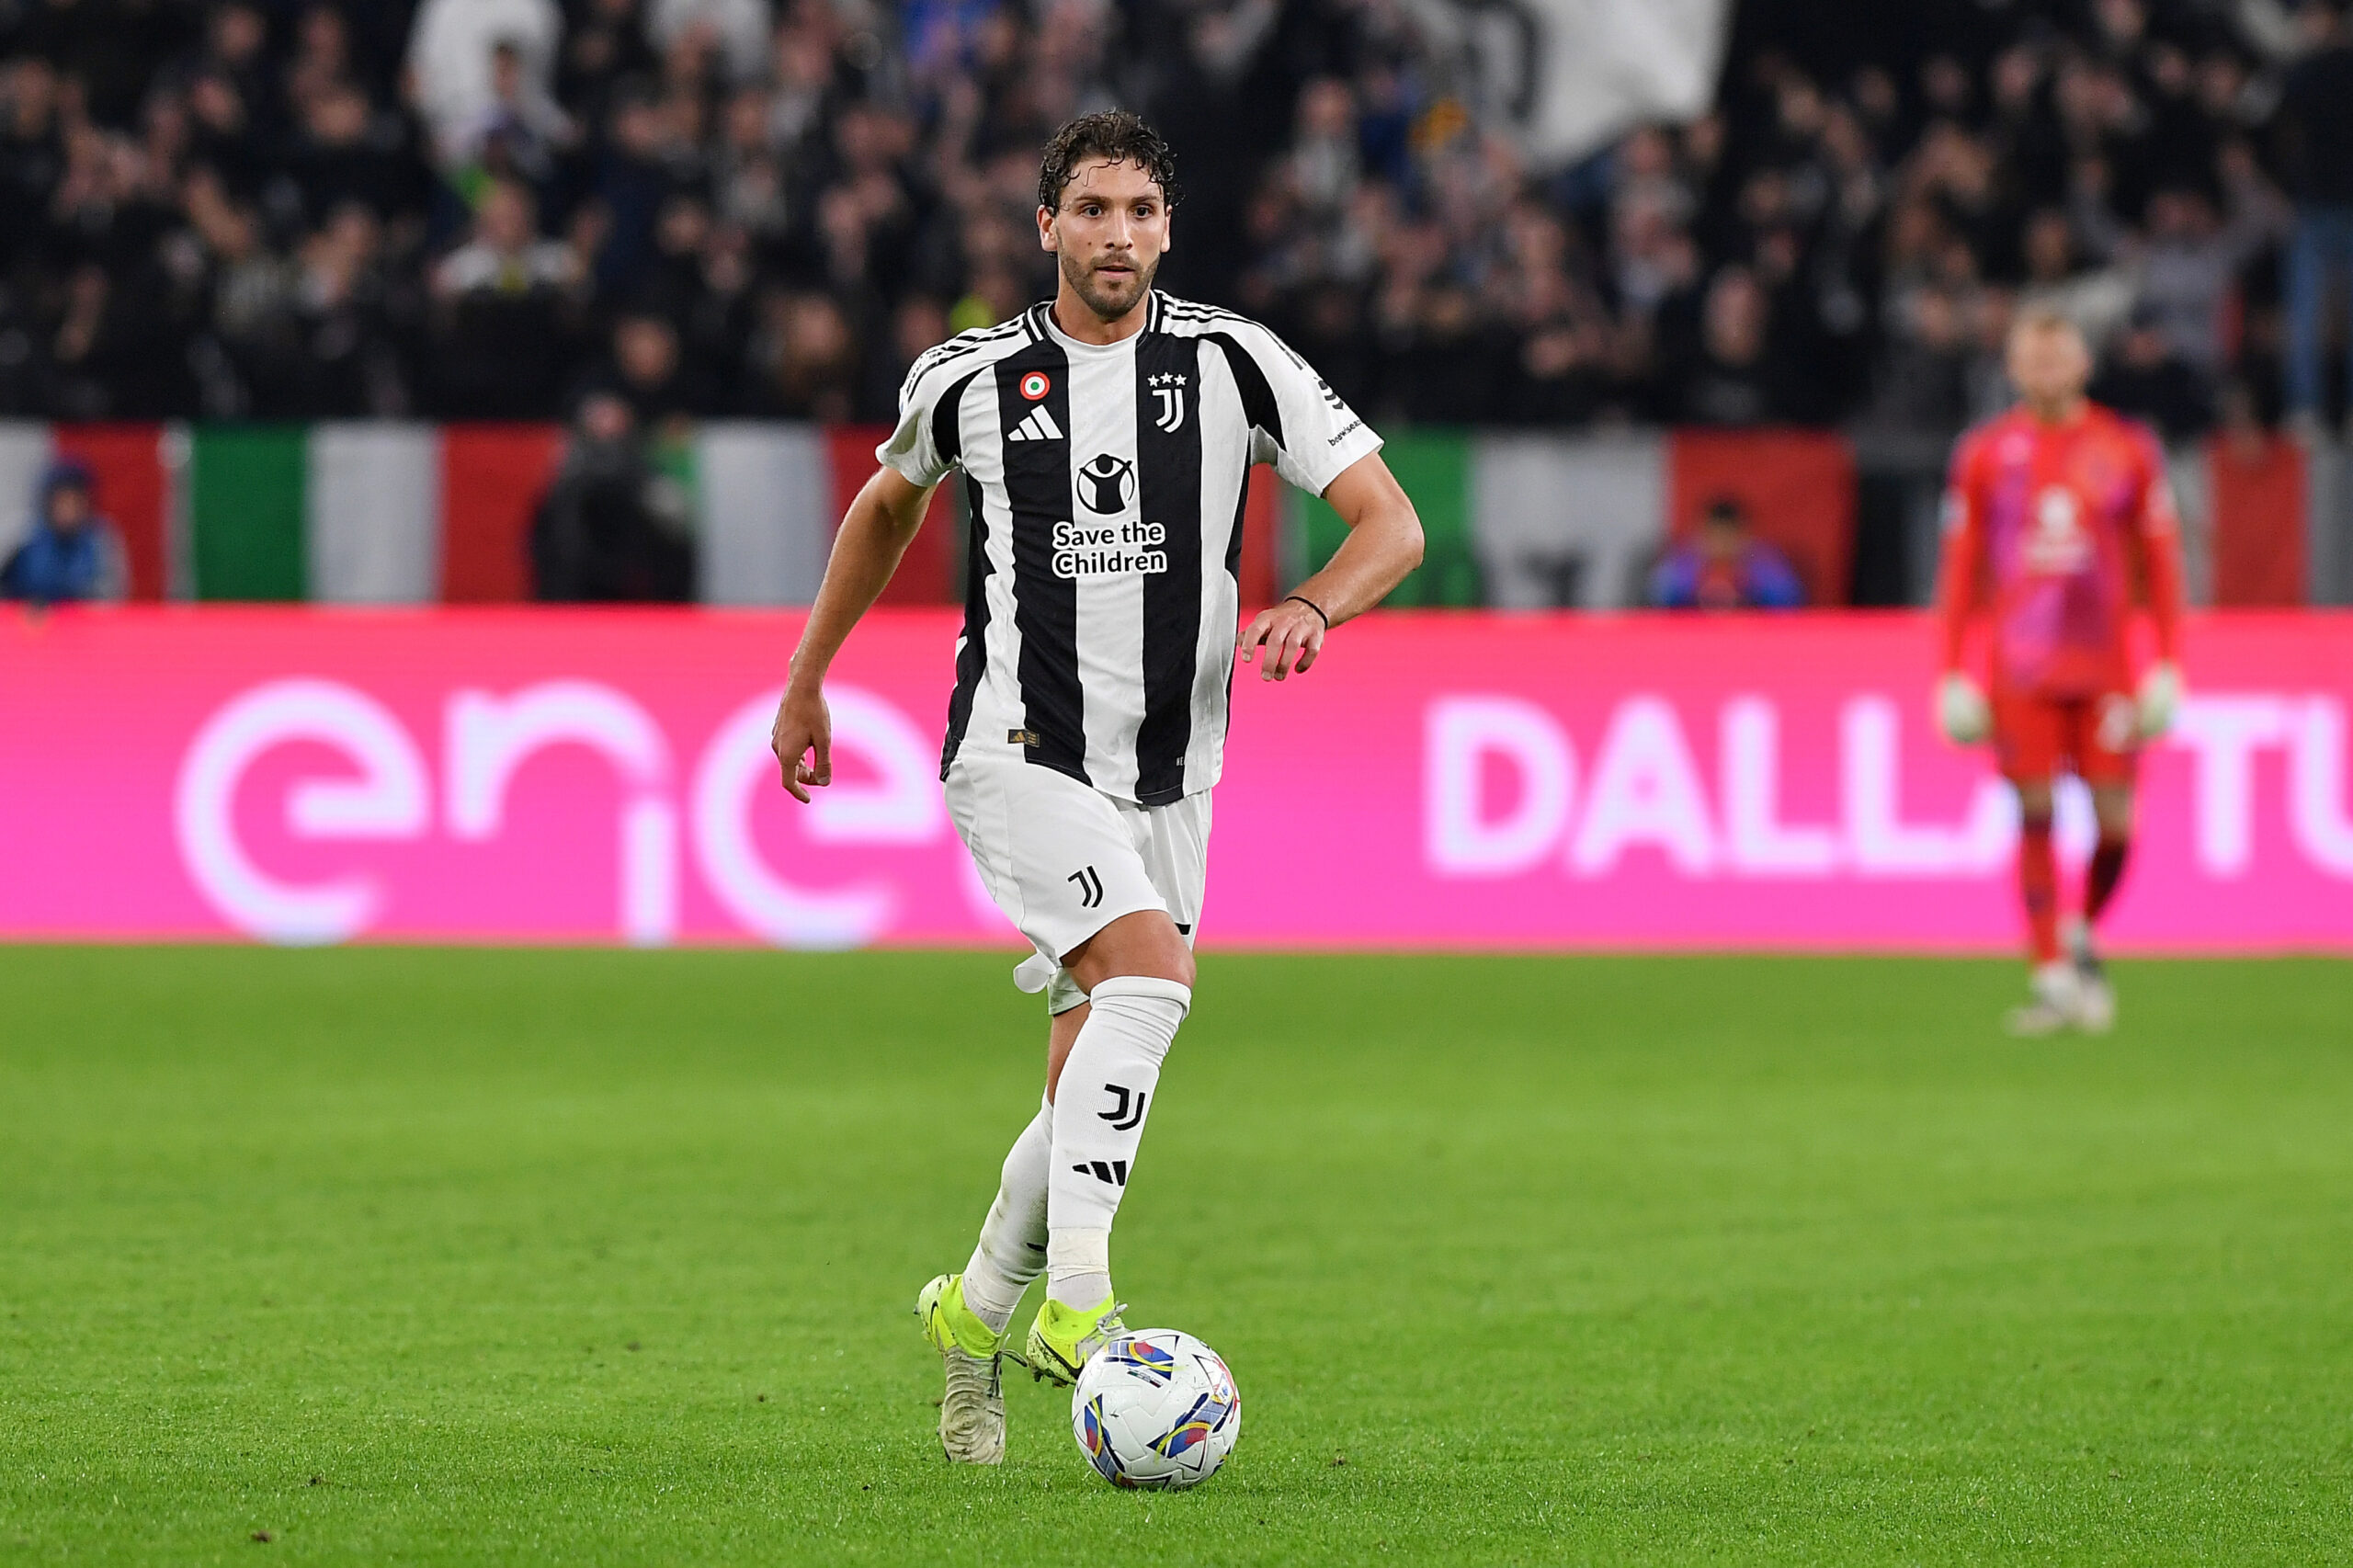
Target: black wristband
{"x":1288,"y":598}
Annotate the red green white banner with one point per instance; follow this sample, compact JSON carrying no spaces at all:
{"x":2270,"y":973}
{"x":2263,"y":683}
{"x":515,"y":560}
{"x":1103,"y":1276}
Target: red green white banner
{"x":389,"y":513}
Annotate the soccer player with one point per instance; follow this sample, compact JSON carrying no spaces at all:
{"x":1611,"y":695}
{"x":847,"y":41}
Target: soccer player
{"x":2052,"y":508}
{"x":1106,"y":438}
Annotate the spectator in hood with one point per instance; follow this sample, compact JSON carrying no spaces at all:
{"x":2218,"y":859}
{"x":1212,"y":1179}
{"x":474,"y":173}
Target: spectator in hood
{"x":71,"y":552}
{"x":1725,"y":567}
{"x":612,"y":528}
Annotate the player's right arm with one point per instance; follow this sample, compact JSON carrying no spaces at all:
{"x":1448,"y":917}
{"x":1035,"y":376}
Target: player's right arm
{"x":875,"y":533}
{"x":1961,"y":709}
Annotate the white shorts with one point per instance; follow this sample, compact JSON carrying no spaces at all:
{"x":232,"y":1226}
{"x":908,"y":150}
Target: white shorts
{"x":1064,"y":859}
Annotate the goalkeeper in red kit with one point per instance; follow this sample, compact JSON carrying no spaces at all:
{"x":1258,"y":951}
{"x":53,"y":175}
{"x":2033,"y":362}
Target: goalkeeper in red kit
{"x":2051,"y":509}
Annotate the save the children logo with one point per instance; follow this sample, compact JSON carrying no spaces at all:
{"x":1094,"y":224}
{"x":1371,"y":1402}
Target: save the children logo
{"x":1108,"y":549}
{"x":1108,"y":483}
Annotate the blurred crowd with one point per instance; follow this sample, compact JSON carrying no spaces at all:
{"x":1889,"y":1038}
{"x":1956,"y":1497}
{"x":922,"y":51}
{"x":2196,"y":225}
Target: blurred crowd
{"x":675,"y":208}
{"x":1845,"y":241}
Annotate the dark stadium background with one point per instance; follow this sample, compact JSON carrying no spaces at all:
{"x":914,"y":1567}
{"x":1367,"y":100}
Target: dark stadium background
{"x":268,"y":213}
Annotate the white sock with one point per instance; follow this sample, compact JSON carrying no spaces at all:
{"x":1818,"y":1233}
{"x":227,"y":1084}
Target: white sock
{"x":1012,"y":1250}
{"x":1106,"y":1090}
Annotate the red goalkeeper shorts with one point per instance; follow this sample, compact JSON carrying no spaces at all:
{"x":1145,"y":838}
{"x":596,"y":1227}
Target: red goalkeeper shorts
{"x":2096,"y":738}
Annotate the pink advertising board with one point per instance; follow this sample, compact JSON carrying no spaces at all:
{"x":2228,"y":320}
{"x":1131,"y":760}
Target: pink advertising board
{"x":1439,"y":782}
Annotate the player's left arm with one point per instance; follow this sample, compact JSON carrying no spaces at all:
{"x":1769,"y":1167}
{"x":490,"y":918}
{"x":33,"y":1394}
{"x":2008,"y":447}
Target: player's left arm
{"x":2156,"y":533}
{"x":1384,"y":543}
{"x":1316,"y":440}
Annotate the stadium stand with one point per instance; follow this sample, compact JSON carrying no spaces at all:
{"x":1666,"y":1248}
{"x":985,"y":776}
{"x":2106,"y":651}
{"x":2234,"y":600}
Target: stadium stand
{"x":722,"y":210}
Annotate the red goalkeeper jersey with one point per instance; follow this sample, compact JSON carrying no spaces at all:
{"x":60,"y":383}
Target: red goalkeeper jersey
{"x":2045,"y":523}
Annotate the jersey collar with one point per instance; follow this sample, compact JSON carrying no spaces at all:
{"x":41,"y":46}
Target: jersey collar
{"x":1038,"y":321}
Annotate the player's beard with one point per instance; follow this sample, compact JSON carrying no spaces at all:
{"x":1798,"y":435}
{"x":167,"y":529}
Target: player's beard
{"x":1109,"y":304}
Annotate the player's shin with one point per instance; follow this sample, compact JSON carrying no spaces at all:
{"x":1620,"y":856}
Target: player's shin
{"x":1012,"y":1250}
{"x":2106,"y":870}
{"x":1099,"y":1109}
{"x":2039,"y":889}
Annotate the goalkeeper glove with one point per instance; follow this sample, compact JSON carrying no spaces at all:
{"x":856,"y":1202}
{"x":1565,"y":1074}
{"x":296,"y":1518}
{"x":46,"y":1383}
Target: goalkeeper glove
{"x":1961,"y":712}
{"x":2160,"y":698}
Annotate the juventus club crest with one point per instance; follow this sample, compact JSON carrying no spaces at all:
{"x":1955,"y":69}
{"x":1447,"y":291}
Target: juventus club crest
{"x":1168,"y":391}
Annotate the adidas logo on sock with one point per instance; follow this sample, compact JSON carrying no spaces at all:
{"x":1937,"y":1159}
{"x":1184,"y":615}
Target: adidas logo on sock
{"x":1112,"y":1171}
{"x":1038,"y":426}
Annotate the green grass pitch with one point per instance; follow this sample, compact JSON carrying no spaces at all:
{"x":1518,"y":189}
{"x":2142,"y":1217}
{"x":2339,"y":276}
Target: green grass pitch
{"x":551,"y":1257}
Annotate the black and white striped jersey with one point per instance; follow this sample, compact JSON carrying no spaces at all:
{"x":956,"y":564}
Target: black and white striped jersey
{"x":1106,"y":486}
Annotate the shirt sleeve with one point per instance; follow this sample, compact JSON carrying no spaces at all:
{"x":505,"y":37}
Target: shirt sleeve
{"x":2157,"y":530}
{"x":1300,"y":424}
{"x":912,"y":450}
{"x":1958,"y":562}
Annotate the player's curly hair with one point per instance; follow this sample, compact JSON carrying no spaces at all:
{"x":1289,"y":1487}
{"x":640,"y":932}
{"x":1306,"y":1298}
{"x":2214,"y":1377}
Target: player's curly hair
{"x":1115,"y":134}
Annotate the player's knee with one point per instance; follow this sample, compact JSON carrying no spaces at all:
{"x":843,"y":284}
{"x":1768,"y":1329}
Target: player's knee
{"x":1166,"y":958}
{"x":1172,"y":955}
{"x":1180,"y":965}
{"x":1145,"y":945}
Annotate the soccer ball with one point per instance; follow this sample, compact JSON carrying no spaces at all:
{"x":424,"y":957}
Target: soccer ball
{"x":1156,"y":1408}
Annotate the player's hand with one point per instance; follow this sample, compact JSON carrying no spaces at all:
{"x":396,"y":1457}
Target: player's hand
{"x":2160,"y":700}
{"x":1292,"y":635}
{"x":1961,"y":711}
{"x":804,"y":741}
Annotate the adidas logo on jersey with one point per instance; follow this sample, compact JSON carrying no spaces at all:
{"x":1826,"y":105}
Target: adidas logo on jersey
{"x":1112,"y":1173}
{"x":1038,"y":426}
